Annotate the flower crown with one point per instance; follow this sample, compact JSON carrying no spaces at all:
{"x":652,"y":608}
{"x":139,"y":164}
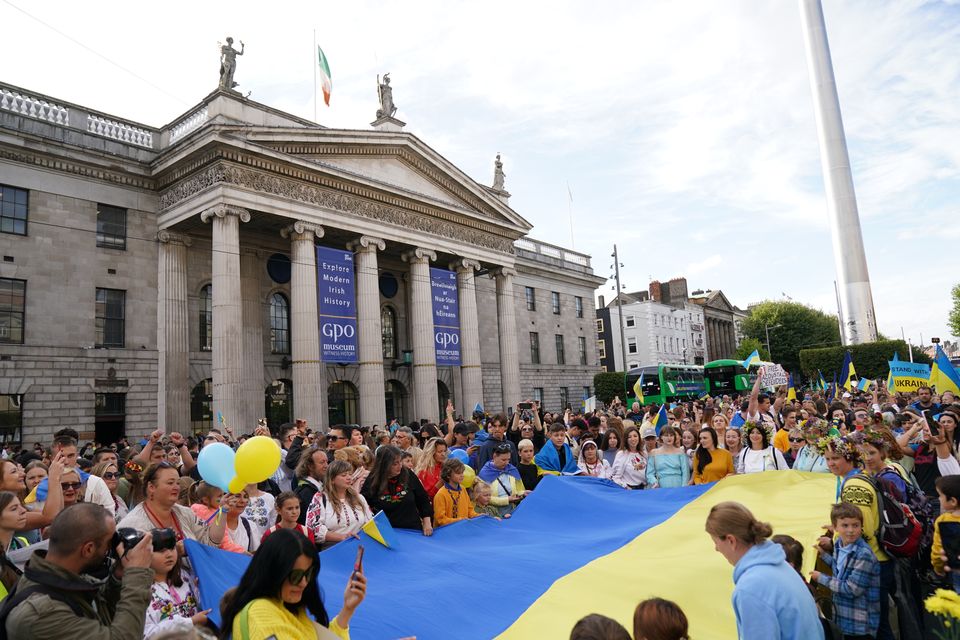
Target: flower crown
{"x":749,"y":426}
{"x":872,"y":437}
{"x":840,"y":445}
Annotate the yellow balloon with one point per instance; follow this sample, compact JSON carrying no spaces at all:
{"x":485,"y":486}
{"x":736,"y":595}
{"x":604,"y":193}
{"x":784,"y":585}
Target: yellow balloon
{"x":469,"y":476}
{"x":257,"y":459}
{"x":237,"y":485}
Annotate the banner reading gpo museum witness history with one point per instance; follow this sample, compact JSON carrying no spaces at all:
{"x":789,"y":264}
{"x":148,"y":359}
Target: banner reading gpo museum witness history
{"x":337,"y":305}
{"x":446,"y":317}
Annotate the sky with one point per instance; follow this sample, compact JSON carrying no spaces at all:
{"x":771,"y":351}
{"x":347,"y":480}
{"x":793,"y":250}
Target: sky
{"x":684,"y":131}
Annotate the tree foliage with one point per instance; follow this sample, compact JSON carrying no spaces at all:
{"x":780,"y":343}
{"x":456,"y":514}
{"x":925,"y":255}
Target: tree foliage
{"x":953,"y":320}
{"x":870,"y":359}
{"x":748,"y":346}
{"x":793,"y":326}
{"x":608,"y":384}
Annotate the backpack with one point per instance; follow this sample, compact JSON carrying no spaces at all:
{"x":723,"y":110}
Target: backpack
{"x":17,"y":596}
{"x":923,"y":508}
{"x":900,"y":531}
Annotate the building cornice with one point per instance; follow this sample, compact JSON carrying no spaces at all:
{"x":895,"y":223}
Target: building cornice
{"x":82,"y":169}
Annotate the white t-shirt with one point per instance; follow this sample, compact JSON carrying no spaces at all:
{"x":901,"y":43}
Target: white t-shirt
{"x":755,"y":461}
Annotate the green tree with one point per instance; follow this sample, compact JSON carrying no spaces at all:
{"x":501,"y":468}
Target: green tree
{"x":748,"y":346}
{"x":954,"y":318}
{"x":792,"y":326}
{"x":608,"y":384}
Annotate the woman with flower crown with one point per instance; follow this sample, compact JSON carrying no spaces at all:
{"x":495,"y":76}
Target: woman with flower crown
{"x":809,"y":457}
{"x":758,"y":452}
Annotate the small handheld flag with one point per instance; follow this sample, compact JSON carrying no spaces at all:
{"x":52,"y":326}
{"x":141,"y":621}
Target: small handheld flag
{"x":379,"y":529}
{"x":638,"y":389}
{"x":848,"y":374}
{"x":326,"y":80}
{"x":752,"y":359}
{"x":661,"y":420}
{"x":821,"y":381}
{"x":863,"y":384}
{"x":791,"y":391}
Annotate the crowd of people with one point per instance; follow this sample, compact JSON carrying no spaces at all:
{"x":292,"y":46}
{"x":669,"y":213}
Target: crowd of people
{"x":92,"y":536}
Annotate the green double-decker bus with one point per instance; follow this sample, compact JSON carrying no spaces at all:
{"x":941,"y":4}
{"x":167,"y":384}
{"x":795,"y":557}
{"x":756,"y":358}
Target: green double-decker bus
{"x":728,"y":377}
{"x":665,"y":383}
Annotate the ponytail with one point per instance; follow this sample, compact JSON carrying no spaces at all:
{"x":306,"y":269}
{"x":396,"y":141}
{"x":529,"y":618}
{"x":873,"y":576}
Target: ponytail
{"x":732,"y":518}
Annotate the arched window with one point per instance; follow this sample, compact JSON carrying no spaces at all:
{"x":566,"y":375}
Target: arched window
{"x":443,"y":394}
{"x":201,"y":405}
{"x":279,"y":324}
{"x":388,"y":328}
{"x":206,"y":318}
{"x":342,"y":402}
{"x":395,"y":395}
{"x":278,"y":403}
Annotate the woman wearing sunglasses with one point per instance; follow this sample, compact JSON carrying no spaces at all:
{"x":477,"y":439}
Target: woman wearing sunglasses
{"x":111,"y":477}
{"x":278,"y":590}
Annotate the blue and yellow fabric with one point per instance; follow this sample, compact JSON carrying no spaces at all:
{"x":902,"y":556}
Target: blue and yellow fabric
{"x":576,"y":546}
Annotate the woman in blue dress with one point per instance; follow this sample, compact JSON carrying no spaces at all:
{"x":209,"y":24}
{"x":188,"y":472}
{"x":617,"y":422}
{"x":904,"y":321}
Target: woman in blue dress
{"x":669,"y":466}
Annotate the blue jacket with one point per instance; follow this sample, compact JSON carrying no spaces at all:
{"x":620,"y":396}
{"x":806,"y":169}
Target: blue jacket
{"x":770,"y":599}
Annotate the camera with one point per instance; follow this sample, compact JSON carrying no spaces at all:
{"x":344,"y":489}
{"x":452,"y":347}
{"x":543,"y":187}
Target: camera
{"x":165,"y":538}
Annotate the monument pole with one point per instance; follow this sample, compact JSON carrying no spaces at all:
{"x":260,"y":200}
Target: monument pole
{"x":859,"y":323}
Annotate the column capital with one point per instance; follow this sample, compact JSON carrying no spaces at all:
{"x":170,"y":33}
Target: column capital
{"x":301,"y":227}
{"x":464,"y":264}
{"x":367,"y":242}
{"x":504,"y":272}
{"x":223,"y":210}
{"x":172,"y":237}
{"x":419,"y":255}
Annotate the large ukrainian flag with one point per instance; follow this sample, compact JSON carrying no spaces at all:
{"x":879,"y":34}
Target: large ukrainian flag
{"x":576,"y":546}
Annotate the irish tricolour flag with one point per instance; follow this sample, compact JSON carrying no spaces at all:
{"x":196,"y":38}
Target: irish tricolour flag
{"x":325,"y":79}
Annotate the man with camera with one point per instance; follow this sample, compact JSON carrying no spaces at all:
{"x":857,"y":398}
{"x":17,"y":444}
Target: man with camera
{"x":89,"y":585}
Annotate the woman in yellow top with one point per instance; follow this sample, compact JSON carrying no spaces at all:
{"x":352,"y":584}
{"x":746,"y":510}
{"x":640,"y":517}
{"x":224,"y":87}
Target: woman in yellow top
{"x":280,"y":587}
{"x":710,"y":462}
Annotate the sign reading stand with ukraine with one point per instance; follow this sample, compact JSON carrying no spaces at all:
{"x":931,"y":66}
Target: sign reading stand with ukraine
{"x":446,"y":317}
{"x":337,"y":304}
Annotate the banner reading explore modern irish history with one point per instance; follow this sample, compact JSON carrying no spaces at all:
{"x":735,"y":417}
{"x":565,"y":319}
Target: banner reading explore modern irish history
{"x":338,"y":305}
{"x":446,"y":317}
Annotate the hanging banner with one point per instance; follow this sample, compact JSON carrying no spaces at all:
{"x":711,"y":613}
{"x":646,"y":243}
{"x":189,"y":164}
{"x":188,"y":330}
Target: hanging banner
{"x":446,"y":317}
{"x":337,"y":302}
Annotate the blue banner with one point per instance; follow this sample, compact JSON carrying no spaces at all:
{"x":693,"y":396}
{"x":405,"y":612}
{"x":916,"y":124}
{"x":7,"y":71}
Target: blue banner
{"x":337,"y":302}
{"x":446,"y":317}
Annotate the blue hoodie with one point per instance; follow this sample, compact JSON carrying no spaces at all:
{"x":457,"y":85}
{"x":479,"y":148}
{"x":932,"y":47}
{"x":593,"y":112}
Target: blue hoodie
{"x":770,"y":600}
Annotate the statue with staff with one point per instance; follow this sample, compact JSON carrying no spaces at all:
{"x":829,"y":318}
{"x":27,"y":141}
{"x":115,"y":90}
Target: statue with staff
{"x":228,"y":64}
{"x":385,"y":93}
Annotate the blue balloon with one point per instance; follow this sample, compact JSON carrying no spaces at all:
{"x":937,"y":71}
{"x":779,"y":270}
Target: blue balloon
{"x":216,"y":465}
{"x":460,"y":455}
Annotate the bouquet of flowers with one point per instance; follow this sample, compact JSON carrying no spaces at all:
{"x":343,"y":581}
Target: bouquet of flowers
{"x":944,"y":604}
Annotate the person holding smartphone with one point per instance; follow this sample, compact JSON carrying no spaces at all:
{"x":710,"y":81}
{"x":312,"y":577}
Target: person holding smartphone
{"x":945,"y":552}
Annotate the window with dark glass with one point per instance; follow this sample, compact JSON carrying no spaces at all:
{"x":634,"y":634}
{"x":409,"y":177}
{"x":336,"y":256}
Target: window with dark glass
{"x":13,"y":301}
{"x":13,"y":210}
{"x":279,"y":324}
{"x":534,"y":347}
{"x":110,"y":414}
{"x":531,"y":298}
{"x":582,"y":346}
{"x":11,"y":418}
{"x":206,"y":318}
{"x":201,"y":407}
{"x":560,"y":357}
{"x":555,"y":302}
{"x":110,"y":317}
{"x":388,"y":331}
{"x":538,"y":394}
{"x":578,"y":306}
{"x":111,"y":227}
{"x":564,"y":397}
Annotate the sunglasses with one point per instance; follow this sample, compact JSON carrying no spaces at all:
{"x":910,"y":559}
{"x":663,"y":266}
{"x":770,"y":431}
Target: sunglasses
{"x":797,"y":440}
{"x":502,"y":448}
{"x":296,"y":576}
{"x":70,"y":485}
{"x":110,"y":475}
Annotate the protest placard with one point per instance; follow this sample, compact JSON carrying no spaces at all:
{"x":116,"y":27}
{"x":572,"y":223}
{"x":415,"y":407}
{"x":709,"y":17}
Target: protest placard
{"x":773,"y":376}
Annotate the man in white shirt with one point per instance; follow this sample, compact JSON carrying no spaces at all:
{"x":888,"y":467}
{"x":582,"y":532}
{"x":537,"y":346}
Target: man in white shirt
{"x":95,"y":489}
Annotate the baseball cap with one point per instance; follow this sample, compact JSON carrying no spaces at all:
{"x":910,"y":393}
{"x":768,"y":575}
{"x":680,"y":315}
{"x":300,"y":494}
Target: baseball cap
{"x":649,"y":432}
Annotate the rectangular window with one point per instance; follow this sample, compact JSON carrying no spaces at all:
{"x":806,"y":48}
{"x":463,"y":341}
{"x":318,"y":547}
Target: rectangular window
{"x":531,"y":298}
{"x":534,"y":347}
{"x":111,"y":227}
{"x":599,"y":325}
{"x":538,"y":394}
{"x":560,"y":357}
{"x":582,"y":346}
{"x":110,"y":317}
{"x":564,"y":397}
{"x":631,"y":345}
{"x":14,"y":204}
{"x":13,"y":302}
{"x":602,"y":349}
{"x":578,"y":306}
{"x":110,"y":413}
{"x":555,"y":302}
{"x":586,"y":392}
{"x":11,"y":418}
{"x":631,"y":322}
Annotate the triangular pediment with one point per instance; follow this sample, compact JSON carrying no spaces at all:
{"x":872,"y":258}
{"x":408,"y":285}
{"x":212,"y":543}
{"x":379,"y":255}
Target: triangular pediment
{"x":719,"y":301}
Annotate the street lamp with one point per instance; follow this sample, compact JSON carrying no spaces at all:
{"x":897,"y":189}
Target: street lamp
{"x":766,"y":330}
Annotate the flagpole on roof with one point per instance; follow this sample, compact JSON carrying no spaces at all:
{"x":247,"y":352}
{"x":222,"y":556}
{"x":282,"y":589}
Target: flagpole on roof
{"x":570,"y":213}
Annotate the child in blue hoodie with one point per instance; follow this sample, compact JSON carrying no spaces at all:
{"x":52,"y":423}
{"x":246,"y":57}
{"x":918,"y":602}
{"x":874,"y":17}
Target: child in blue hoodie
{"x":855,"y":582}
{"x":770,"y":599}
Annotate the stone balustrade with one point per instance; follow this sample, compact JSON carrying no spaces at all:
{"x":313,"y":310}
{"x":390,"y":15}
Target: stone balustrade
{"x":543,"y":252}
{"x":116,"y":130}
{"x":191,"y":123}
{"x":32,"y":107}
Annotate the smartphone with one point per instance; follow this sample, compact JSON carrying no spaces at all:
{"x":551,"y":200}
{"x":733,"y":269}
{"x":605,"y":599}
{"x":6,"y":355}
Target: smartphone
{"x":950,"y":536}
{"x":525,"y":406}
{"x":358,"y":563}
{"x":934,"y":426}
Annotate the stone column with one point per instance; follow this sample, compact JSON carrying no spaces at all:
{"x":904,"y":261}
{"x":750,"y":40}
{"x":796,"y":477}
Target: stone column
{"x":507,"y":328}
{"x":426,"y":402}
{"x":173,"y":334}
{"x":711,"y":340}
{"x":373,"y":409}
{"x":227,"y":313}
{"x":252,"y":402}
{"x":470,"y":390}
{"x":309,"y":386}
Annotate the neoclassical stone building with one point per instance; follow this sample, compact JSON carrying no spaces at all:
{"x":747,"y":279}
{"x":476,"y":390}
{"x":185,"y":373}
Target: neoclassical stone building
{"x":168,"y":276}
